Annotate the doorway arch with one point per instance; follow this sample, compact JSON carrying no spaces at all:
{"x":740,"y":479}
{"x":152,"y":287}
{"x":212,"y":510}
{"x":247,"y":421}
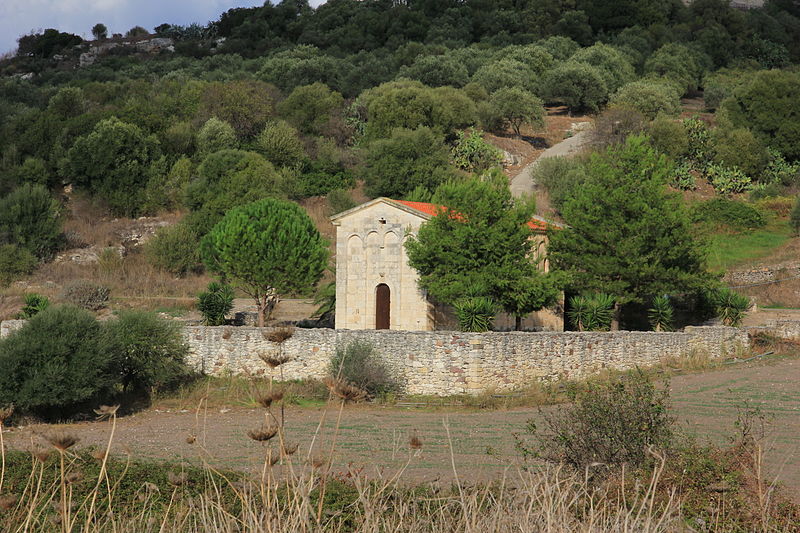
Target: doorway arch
{"x":383,"y":302}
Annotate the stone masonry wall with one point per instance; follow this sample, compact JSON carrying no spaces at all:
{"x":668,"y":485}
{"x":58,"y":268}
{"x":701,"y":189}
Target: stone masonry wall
{"x":448,"y":362}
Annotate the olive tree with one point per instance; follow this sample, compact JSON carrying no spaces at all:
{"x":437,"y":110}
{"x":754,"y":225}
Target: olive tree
{"x":266,"y":248}
{"x":515,"y":107}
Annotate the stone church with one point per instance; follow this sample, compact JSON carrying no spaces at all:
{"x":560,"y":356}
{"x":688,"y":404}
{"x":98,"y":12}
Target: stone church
{"x":376,"y":288}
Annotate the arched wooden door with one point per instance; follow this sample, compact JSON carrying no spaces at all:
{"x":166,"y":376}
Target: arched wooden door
{"x":382,"y":306}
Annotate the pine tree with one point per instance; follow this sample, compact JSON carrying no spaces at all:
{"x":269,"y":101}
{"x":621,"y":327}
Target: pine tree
{"x":627,"y":236}
{"x":266,"y":248}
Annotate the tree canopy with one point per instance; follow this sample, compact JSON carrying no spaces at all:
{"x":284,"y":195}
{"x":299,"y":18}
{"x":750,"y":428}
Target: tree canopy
{"x":480,"y":244}
{"x":626,"y":235}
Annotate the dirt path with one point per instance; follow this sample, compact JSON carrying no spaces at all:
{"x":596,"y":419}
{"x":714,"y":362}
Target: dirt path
{"x":522,"y":183}
{"x":376,"y":438}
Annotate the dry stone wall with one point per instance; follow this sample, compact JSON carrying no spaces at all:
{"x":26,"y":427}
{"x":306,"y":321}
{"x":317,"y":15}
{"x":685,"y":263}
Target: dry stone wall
{"x":448,"y":362}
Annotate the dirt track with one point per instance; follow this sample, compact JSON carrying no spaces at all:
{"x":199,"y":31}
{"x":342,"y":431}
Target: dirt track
{"x":376,"y":438}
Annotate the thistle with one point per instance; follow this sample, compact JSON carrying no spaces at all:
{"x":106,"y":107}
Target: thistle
{"x":263,"y":434}
{"x":62,"y":441}
{"x":345,"y":391}
{"x":266,"y":400}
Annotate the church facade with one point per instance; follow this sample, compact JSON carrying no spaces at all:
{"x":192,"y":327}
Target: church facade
{"x":376,"y":288}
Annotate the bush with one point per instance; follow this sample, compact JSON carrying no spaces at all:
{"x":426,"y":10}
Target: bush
{"x":608,"y":423}
{"x":85,"y":294}
{"x":340,"y":200}
{"x":475,"y":313}
{"x":682,"y":176}
{"x":215,"y":135}
{"x":31,"y":219}
{"x":615,"y":124}
{"x":739,"y":148}
{"x":473,"y":154}
{"x":358,"y":364}
{"x":562,"y":177}
{"x":729,"y":213}
{"x":215,"y":303}
{"x":409,"y":158}
{"x":779,"y":170}
{"x":281,"y":145}
{"x":174,"y":249}
{"x":669,"y":137}
{"x":34,"y":304}
{"x":55,"y":366}
{"x":651,"y":98}
{"x":15,"y":262}
{"x":147,"y":352}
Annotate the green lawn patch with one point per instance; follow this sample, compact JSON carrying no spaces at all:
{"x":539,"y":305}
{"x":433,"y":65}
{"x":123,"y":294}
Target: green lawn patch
{"x":727,"y":250}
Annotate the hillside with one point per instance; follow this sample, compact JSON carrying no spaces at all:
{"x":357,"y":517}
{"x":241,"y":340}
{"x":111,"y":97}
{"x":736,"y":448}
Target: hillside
{"x":127,"y":150}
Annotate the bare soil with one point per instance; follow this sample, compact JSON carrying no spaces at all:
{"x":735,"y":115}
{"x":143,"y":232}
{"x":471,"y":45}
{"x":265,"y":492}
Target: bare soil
{"x":478,"y":443}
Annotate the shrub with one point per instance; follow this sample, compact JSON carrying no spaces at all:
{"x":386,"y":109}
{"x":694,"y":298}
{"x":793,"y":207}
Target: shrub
{"x":281,"y":145}
{"x":340,"y":200}
{"x":729,"y":306}
{"x":794,"y":218}
{"x":473,"y":154}
{"x":609,"y":423}
{"x":358,"y":364}
{"x":669,"y":137}
{"x":409,"y":158}
{"x":651,"y":98}
{"x":615,"y":124}
{"x":15,"y":262}
{"x":562,"y":177}
{"x":215,"y":303}
{"x":739,"y":148}
{"x":147,"y":352}
{"x":174,"y":249}
{"x":591,"y":313}
{"x":215,"y":135}
{"x":475,"y":313}
{"x":85,"y":294}
{"x":661,"y":314}
{"x":729,"y":213}
{"x":31,"y":219}
{"x":34,"y":304}
{"x":55,"y":366}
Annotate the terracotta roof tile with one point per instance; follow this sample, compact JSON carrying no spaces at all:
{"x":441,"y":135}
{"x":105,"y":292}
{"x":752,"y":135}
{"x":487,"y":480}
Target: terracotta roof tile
{"x":536,"y":223}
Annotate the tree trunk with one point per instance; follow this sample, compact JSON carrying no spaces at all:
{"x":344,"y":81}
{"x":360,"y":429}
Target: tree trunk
{"x":517,"y":323}
{"x":266,"y":304}
{"x":615,"y":317}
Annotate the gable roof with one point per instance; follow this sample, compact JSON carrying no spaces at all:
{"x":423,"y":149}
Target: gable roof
{"x":427,"y":211}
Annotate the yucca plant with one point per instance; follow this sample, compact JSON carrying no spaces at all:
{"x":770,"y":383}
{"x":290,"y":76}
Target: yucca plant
{"x":578,"y":312}
{"x":661,"y":314}
{"x":215,"y":303}
{"x":34,"y":304}
{"x":730,"y":306}
{"x":600,"y":312}
{"x":475,"y":313}
{"x":591,"y":313}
